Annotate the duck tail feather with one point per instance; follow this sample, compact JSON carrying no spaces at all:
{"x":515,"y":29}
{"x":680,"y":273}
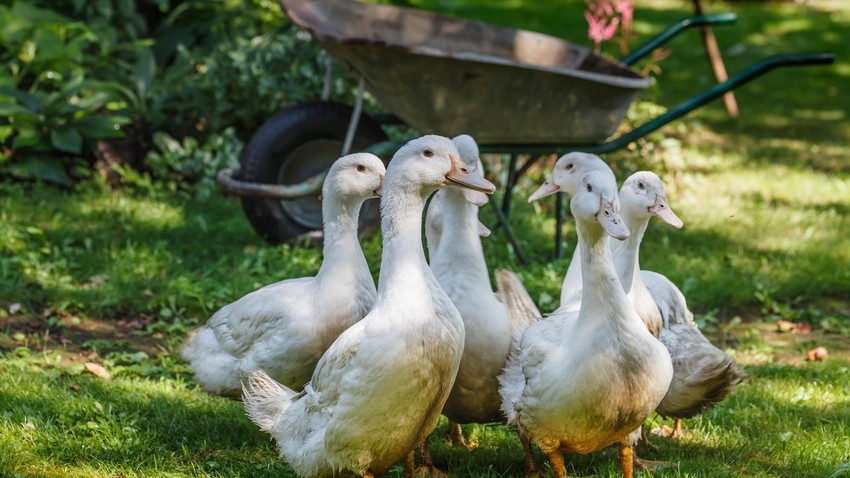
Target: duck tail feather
{"x":265,"y":400}
{"x":521,"y":308}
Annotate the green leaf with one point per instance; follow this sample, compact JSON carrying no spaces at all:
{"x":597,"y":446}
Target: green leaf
{"x":67,"y":139}
{"x":101,"y":126}
{"x":45,"y":169}
{"x":48,"y":45}
{"x":166,"y":143}
{"x":5,"y":132}
{"x":33,"y":101}
{"x":32,"y":14}
{"x":94,"y":102}
{"x":26,"y":138}
{"x":144,"y":71}
{"x":12,"y":109}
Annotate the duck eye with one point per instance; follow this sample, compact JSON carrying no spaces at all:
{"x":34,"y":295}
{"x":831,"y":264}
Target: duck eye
{"x":641,"y":186}
{"x":361,"y":168}
{"x":568,"y":166}
{"x":428,"y":153}
{"x":589,"y":188}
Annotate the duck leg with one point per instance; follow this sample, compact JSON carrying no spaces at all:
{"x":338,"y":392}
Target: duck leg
{"x":456,"y":436}
{"x":427,"y":467}
{"x":644,"y":442}
{"x":409,"y":465}
{"x":626,"y":454}
{"x":677,"y":429}
{"x":556,"y":461}
{"x":532,"y":469}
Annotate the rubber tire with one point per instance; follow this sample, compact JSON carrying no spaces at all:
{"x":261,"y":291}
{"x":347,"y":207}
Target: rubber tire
{"x":269,"y":154}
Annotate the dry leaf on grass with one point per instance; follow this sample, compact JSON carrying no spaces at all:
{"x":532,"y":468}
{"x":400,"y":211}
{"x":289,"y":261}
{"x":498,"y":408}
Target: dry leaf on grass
{"x":97,"y":370}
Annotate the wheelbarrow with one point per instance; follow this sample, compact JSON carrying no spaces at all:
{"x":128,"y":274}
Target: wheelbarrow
{"x":515,"y":91}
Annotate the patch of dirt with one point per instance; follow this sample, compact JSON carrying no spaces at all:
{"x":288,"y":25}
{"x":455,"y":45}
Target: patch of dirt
{"x":789,"y":347}
{"x":69,"y":334}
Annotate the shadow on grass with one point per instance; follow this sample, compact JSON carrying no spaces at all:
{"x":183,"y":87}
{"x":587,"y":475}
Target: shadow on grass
{"x":129,"y":425}
{"x":698,"y":261}
{"x":753,"y":433}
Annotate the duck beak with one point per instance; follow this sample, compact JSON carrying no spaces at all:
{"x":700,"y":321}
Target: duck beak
{"x":460,"y":176}
{"x":482,"y":230}
{"x":545,"y":189}
{"x":476,"y":198}
{"x":611,"y":221}
{"x":380,"y":188}
{"x":663,"y":211}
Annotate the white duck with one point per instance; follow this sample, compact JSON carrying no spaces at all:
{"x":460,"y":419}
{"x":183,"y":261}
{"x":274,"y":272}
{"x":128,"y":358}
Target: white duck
{"x":703,"y":375}
{"x":584,"y":380}
{"x":457,"y":261}
{"x":378,"y":390}
{"x":641,"y":197}
{"x":284,"y":328}
{"x":565,"y":178}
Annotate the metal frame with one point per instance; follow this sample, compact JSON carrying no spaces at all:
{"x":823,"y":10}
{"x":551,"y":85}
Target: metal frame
{"x":385,"y":149}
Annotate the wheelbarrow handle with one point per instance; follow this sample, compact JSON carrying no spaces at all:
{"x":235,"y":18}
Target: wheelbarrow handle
{"x":673,"y":30}
{"x":310,"y":187}
{"x":716,"y":91}
{"x":674,"y":113}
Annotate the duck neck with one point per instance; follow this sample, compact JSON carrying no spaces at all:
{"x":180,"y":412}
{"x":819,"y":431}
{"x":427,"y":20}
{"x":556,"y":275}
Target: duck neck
{"x":626,"y":252}
{"x":402,"y":258}
{"x":603,"y":294}
{"x":459,"y":247}
{"x":341,"y":249}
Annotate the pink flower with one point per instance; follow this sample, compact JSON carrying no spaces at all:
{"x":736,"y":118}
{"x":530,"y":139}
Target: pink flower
{"x":606,"y":17}
{"x":599,"y":28}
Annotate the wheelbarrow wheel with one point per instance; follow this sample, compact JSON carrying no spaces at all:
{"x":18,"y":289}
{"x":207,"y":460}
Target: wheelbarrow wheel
{"x":292,"y":146}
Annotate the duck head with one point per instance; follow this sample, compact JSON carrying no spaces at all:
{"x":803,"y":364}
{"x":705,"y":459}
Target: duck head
{"x":468,"y":150}
{"x":596,"y":200}
{"x":431,"y":162}
{"x":358,"y":176}
{"x":469,"y":154}
{"x":567,"y":173}
{"x":642,"y":194}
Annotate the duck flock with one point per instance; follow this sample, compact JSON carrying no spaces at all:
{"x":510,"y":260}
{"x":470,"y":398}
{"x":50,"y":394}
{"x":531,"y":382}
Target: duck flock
{"x":350,"y":379}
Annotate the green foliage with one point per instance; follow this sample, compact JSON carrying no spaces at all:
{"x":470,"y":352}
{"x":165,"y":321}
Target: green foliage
{"x":78,"y":72}
{"x":188,"y":166}
{"x":49,"y":108}
{"x":246,"y":79}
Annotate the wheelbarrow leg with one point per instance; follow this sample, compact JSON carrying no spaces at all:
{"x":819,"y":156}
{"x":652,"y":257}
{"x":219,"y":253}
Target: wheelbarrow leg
{"x":355,"y":119}
{"x":509,"y":187}
{"x":717,"y":66}
{"x":509,"y":232}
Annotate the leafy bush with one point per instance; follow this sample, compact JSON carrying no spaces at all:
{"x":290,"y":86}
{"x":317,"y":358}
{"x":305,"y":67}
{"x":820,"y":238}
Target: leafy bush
{"x":188,"y":166}
{"x":245,"y":80}
{"x":49,"y":106}
{"x":77,"y":73}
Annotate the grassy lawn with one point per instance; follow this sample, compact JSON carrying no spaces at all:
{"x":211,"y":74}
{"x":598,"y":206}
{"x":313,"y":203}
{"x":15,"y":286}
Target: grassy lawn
{"x":90,"y":277}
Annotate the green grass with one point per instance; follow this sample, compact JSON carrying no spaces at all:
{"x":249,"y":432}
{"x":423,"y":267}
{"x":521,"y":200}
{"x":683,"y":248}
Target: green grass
{"x":92,"y":275}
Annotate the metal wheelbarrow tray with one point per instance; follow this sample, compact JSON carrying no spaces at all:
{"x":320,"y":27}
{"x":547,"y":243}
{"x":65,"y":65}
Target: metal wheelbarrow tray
{"x":457,"y":76}
{"x":514,"y":91}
